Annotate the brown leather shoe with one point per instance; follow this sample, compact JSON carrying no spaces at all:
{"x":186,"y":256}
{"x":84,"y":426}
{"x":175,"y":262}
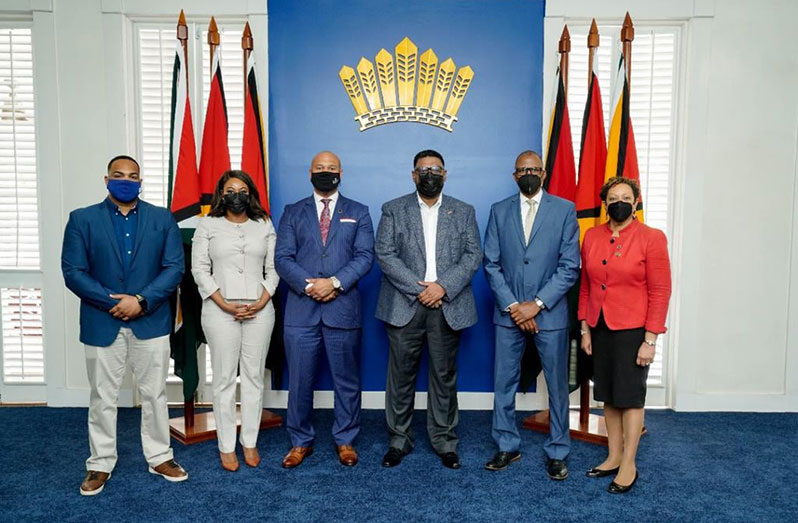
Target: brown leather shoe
{"x":229,"y":461}
{"x":251,"y":456}
{"x":296,"y":456}
{"x":347,"y":455}
{"x":94,"y":482}
{"x":170,"y":471}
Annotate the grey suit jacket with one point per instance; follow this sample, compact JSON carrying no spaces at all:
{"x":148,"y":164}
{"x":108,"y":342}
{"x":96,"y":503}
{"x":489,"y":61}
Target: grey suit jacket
{"x":401,"y":255}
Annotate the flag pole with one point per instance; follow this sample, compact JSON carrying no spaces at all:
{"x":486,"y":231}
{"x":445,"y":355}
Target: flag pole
{"x":182,"y":36}
{"x":246,"y":47}
{"x":213,"y":38}
{"x":627,"y":36}
{"x":592,"y":44}
{"x":564,"y":49}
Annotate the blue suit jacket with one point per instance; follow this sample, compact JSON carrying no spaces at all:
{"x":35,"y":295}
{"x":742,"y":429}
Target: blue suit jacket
{"x":546,"y":268}
{"x":92,"y":268}
{"x":348,"y":255}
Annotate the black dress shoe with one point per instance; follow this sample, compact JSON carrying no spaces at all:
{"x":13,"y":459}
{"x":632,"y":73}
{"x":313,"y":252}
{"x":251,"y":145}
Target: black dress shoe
{"x":502,"y":460}
{"x":557,"y":469}
{"x":614,"y":488}
{"x":596,"y":472}
{"x":450,"y":460}
{"x":393,"y":457}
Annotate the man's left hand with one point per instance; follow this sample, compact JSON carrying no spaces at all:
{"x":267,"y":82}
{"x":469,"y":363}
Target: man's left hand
{"x":432,"y":294}
{"x":524,"y":312}
{"x":321,"y":289}
{"x":128,"y":307}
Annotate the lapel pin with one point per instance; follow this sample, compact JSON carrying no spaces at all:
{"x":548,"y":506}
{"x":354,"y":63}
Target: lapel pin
{"x":449,"y":212}
{"x":340,"y":211}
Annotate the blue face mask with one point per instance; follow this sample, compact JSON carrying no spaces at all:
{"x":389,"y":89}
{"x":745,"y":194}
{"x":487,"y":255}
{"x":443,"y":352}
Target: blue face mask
{"x":124,"y":191}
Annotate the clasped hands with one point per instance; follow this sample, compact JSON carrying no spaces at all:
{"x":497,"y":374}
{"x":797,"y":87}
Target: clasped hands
{"x":432,"y":295}
{"x":523,"y":314}
{"x":127,"y":308}
{"x":242,"y":311}
{"x":321,"y":289}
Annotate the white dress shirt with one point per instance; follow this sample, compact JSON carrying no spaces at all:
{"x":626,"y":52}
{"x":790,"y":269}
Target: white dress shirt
{"x":320,"y":205}
{"x":429,"y":223}
{"x":525,"y":209}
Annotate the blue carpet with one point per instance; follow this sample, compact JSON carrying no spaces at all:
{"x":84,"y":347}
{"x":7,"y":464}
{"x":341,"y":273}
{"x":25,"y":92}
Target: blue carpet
{"x":693,"y":467}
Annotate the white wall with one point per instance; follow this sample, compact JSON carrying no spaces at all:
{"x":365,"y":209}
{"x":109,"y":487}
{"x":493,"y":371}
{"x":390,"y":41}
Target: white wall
{"x":734,"y":316}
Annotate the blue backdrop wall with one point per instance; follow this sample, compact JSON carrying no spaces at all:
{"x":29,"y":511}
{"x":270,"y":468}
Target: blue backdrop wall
{"x":309,"y":111}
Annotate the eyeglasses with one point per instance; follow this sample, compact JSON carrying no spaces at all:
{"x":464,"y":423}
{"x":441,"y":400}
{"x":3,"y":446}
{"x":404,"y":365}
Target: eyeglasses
{"x":537,"y":171}
{"x":439,"y":171}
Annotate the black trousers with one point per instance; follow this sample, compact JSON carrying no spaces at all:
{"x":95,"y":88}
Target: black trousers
{"x":406,"y":345}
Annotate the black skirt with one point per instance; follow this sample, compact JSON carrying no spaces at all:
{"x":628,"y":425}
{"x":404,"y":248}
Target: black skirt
{"x":617,"y":380}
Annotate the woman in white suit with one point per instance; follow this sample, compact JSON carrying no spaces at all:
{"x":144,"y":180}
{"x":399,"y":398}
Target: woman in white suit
{"x":233,"y":266}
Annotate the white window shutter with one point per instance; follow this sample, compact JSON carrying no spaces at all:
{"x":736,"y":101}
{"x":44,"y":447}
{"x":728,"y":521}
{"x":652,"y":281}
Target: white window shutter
{"x":23,"y":350}
{"x":19,"y":209}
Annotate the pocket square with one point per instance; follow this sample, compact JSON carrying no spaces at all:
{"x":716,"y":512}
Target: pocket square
{"x":348,"y":220}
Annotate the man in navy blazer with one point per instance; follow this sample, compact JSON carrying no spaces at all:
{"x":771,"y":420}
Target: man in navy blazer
{"x":325,"y":244}
{"x":531,"y":261}
{"x":123,"y":258}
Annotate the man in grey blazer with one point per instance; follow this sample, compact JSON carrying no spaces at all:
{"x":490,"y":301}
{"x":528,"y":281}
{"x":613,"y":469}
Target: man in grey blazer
{"x":428,"y":248}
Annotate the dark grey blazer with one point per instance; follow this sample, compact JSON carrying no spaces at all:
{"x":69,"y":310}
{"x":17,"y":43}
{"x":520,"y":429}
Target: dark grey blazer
{"x":401,"y":255}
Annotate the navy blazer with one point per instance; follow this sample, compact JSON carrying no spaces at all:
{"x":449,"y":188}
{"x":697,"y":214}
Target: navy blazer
{"x":546,"y":268}
{"x":348,"y":255}
{"x":93,"y":269}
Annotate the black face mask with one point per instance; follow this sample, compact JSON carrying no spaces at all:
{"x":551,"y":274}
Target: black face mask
{"x":429,"y":185}
{"x":236,"y":203}
{"x":529,"y":184}
{"x":619,"y":211}
{"x":325,"y":181}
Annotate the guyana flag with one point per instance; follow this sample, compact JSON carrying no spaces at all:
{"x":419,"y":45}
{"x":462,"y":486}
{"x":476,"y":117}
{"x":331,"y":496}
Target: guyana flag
{"x":215,"y":157}
{"x":561,"y":178}
{"x":184,"y":202}
{"x":592,"y":160}
{"x":621,"y":151}
{"x":253,"y":162}
{"x":253,"y":151}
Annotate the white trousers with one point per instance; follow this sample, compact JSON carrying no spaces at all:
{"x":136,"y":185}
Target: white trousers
{"x":149,"y":361}
{"x":237,"y":345}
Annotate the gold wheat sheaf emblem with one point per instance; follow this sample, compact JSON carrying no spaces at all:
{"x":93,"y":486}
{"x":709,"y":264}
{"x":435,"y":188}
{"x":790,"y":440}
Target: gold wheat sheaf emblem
{"x":386,"y":94}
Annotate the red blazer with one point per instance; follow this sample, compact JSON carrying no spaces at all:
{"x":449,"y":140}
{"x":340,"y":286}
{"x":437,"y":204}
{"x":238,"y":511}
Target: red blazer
{"x":628,"y":277}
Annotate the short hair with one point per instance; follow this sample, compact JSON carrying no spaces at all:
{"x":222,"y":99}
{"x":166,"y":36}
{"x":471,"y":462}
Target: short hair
{"x":122,"y":157}
{"x":427,"y":153}
{"x":255,"y":211}
{"x":529,"y":152}
{"x":618,"y":180}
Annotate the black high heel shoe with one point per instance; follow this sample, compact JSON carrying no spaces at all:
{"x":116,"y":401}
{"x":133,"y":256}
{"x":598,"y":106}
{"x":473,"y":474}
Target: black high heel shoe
{"x":614,"y":488}
{"x":596,"y":472}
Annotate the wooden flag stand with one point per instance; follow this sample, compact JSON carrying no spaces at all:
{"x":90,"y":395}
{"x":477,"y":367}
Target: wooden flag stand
{"x":197,"y":427}
{"x":584,"y":425}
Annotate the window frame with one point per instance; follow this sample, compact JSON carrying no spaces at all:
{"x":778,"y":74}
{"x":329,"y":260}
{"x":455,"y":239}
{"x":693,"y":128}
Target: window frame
{"x":27,"y":277}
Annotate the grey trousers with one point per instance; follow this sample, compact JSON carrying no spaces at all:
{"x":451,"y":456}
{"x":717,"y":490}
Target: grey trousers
{"x":406,"y":345}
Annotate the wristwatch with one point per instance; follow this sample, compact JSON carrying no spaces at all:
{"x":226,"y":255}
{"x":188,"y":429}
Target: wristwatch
{"x":142,"y":302}
{"x":651,"y":343}
{"x":336,"y":283}
{"x":540,"y":303}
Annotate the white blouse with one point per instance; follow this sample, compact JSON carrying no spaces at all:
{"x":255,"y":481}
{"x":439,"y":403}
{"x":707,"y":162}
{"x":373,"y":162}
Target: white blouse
{"x":235,"y":258}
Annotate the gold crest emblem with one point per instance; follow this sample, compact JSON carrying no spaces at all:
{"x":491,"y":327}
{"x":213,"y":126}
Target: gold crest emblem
{"x":387,"y":94}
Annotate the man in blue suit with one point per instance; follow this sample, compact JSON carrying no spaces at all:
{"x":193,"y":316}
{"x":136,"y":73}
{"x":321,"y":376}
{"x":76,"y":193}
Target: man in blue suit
{"x":325,"y":244}
{"x":123,"y":258}
{"x":531,"y":260}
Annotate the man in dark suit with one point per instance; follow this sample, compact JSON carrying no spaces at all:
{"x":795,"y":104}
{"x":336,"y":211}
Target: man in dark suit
{"x":531,"y":260}
{"x":428,"y":250}
{"x":325,"y":244}
{"x":123,"y":258}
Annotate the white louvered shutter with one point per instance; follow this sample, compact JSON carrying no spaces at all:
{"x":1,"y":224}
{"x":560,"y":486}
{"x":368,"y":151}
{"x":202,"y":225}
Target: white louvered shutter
{"x":19,"y":210}
{"x":23,"y":350}
{"x":653,"y":93}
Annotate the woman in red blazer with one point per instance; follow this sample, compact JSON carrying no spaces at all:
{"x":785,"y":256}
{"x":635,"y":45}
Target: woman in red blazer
{"x":623,"y":301}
